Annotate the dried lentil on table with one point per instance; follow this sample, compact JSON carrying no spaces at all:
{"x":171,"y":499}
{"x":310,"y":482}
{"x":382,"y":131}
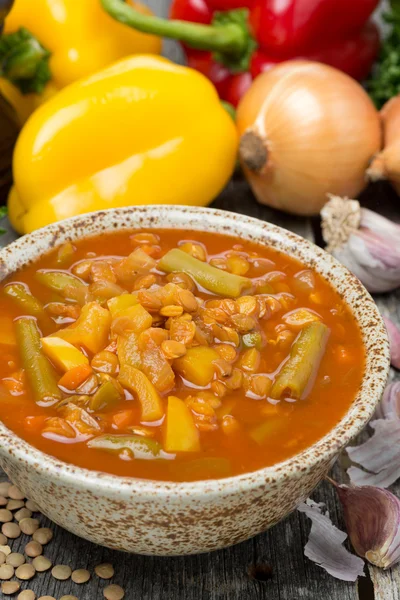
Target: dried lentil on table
{"x":15,"y":559}
{"x":32,"y":506}
{"x":33,"y":549}
{"x":10,"y":587}
{"x":25,"y":572}
{"x":61,"y":572}
{"x":29,"y":526}
{"x":113,"y":592}
{"x":43,"y":535}
{"x":2,"y":558}
{"x":11,"y":530}
{"x":80,"y":576}
{"x":15,"y":504}
{"x":6,"y":572}
{"x":22,"y":513}
{"x":3,"y":501}
{"x":15,"y":493}
{"x":5,"y":515}
{"x":69,"y":597}
{"x":27,"y":595}
{"x":41,"y":564}
{"x":3,"y":539}
{"x":104,"y":571}
{"x":5,"y":549}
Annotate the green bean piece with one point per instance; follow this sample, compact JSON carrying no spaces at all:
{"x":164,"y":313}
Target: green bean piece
{"x":298,"y":373}
{"x":210,"y":278}
{"x":28,"y":303}
{"x":252,"y":340}
{"x":58,"y":281}
{"x":107,"y":396}
{"x":140,"y":447}
{"x":38,"y":369}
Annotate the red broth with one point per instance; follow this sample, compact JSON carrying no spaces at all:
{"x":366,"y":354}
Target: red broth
{"x":254,"y":379}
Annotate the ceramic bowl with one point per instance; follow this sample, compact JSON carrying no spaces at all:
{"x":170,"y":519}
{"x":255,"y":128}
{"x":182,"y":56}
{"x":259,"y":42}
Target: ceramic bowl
{"x":164,"y":518}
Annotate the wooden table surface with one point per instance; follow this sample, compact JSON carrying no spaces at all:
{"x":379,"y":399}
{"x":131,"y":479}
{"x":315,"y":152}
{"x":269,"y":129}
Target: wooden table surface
{"x":270,"y":566}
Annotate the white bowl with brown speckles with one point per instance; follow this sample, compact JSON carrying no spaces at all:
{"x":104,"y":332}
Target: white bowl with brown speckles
{"x":163,"y":518}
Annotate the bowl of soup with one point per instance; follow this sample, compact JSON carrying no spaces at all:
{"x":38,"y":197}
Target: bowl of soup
{"x":175,"y":380}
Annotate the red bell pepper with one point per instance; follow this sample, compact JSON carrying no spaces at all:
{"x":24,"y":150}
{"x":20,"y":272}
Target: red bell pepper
{"x":232,"y":41}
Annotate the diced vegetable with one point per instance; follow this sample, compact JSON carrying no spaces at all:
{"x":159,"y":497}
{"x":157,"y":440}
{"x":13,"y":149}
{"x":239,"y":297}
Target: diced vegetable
{"x":107,"y":396}
{"x":74,"y":378}
{"x":58,"y":281}
{"x":300,"y":317}
{"x":300,"y":370}
{"x":63,"y":354}
{"x":135,"y":318}
{"x":128,"y":350}
{"x":80,"y":419}
{"x":137,"y":383}
{"x":155,"y":365}
{"x":140,"y":447}
{"x":115,"y":305}
{"x":197,"y":366}
{"x":209,"y":277}
{"x":39,"y":371}
{"x":124,"y":418}
{"x":27,"y":302}
{"x":90,"y":330}
{"x":181,"y":433}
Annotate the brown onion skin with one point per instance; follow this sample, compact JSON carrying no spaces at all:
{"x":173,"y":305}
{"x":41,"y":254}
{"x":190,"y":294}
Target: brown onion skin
{"x":319,"y":129}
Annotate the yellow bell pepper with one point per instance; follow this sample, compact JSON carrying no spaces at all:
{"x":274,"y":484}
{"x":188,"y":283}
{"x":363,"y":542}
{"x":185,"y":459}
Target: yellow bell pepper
{"x":197,"y":366}
{"x":90,"y":330}
{"x":81,"y":37}
{"x":180,"y":433}
{"x":137,"y":383}
{"x":63,"y":354}
{"x":143,"y":131}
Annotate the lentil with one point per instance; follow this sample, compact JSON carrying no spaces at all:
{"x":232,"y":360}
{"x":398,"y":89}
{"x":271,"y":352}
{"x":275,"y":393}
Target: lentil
{"x":6,"y":572}
{"x":10,"y":587}
{"x":29,"y":526}
{"x":43,"y":535}
{"x":41,"y":564}
{"x":69,"y":597}
{"x":25,"y":572}
{"x":33,"y":549}
{"x":3,"y":539}
{"x":5,"y":515}
{"x":3,"y":501}
{"x":61,"y":572}
{"x":113,"y":592}
{"x":2,"y":558}
{"x":22,"y":513}
{"x":15,"y":493}
{"x":27,"y":595}
{"x":15,"y":559}
{"x":104,"y":571}
{"x":46,"y":598}
{"x":15,"y":504}
{"x":5,"y":550}
{"x":80,"y":576}
{"x":11,"y":530}
{"x":32,"y":506}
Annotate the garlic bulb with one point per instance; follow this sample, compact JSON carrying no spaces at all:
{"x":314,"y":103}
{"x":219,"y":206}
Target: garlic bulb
{"x":365,"y":242}
{"x":372,"y":518}
{"x":389,"y":406}
{"x":394,"y":340}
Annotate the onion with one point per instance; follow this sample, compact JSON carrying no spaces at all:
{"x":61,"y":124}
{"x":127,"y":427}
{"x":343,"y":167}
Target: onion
{"x":386,"y":164}
{"x":306,"y":130}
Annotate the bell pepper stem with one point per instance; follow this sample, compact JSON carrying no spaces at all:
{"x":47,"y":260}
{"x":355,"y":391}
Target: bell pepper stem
{"x":24,"y":61}
{"x":229,"y":38}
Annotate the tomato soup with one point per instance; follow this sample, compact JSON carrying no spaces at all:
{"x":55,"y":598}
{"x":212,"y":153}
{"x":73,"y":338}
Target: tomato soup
{"x":174,"y":355}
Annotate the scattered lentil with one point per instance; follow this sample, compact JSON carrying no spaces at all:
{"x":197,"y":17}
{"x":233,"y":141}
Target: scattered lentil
{"x":21,"y":514}
{"x":15,"y":504}
{"x":29,"y":526}
{"x":113,"y":592}
{"x":61,"y":572}
{"x":10,"y":587}
{"x":15,"y":493}
{"x":41,"y":564}
{"x":27,"y":595}
{"x":11,"y":530}
{"x":43,"y":535}
{"x":33,"y":549}
{"x":46,"y":598}
{"x":25,"y":572}
{"x":15,"y":559}
{"x":2,"y":558}
{"x":4,"y":487}
{"x":5,"y":549}
{"x":32,"y":506}
{"x":5,"y":515}
{"x":69,"y":597}
{"x":80,"y":576}
{"x":6,"y":572}
{"x":3,"y":539}
{"x":3,"y":501}
{"x":104,"y":571}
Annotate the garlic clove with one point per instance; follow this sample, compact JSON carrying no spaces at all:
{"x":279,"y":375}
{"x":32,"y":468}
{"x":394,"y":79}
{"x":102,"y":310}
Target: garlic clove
{"x":394,"y":341}
{"x":365,"y":242}
{"x":372,"y":517}
{"x":389,"y":406}
{"x":379,"y":455}
{"x":325,"y":545}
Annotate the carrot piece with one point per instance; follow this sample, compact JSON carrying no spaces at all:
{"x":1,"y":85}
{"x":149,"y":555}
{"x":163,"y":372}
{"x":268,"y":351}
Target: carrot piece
{"x":74,"y":377}
{"x":35,"y":423}
{"x":123,"y":419}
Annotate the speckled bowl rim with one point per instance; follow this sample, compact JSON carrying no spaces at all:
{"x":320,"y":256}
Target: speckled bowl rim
{"x":195,"y":218}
